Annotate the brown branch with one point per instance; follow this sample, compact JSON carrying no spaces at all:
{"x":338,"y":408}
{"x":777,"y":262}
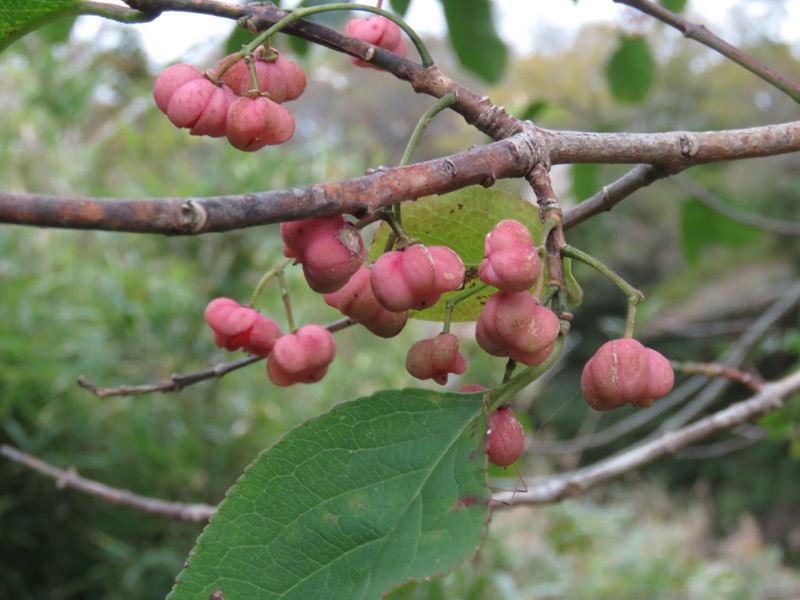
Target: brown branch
{"x":611,"y":195}
{"x":577,"y":482}
{"x":198,"y":513}
{"x":716,"y":370}
{"x":177,"y":382}
{"x":701,"y":34}
{"x":361,"y":196}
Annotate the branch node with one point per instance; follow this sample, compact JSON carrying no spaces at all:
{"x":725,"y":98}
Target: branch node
{"x":690,"y":145}
{"x":194,"y":216}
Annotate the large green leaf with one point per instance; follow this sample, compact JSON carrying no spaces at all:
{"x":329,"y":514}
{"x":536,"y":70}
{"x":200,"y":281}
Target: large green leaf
{"x":460,"y":220}
{"x":368,"y":495}
{"x":479,"y":48}
{"x":631,"y":70}
{"x":18,"y":17}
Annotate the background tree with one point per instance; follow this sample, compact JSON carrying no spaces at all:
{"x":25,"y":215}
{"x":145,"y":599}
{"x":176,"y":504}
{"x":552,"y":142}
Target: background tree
{"x":144,"y":322}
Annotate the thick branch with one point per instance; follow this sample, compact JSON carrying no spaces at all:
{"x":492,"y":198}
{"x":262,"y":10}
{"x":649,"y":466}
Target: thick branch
{"x":511,"y":157}
{"x":580,"y":481}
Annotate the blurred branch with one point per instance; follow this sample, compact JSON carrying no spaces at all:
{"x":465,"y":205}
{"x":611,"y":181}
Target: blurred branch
{"x":714,"y":203}
{"x":733,"y":357}
{"x":716,"y":370}
{"x":177,"y":382}
{"x":552,"y":489}
{"x":744,"y":436}
{"x":198,"y":513}
{"x":701,"y":34}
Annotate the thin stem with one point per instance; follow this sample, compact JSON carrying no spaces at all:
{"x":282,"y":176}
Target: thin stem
{"x":121,"y":14}
{"x":287,"y":303}
{"x":273,"y":272}
{"x":302,"y":13}
{"x":701,"y":34}
{"x":634,"y":295}
{"x":451,"y":303}
{"x":505,"y":392}
{"x":718,"y":370}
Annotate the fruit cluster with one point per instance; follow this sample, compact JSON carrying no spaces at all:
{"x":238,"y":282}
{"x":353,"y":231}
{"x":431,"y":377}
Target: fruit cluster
{"x":224,"y":103}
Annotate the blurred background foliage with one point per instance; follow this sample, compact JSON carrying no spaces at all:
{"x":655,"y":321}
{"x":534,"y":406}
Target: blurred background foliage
{"x":123,"y":309}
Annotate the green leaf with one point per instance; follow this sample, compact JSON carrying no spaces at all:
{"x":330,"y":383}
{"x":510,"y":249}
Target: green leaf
{"x":239,"y":37}
{"x":18,"y":17}
{"x":676,"y":6}
{"x":400,"y":6}
{"x":460,"y":220}
{"x":470,"y":24}
{"x":532,"y":111}
{"x":574,"y":289}
{"x":630,"y":70}
{"x":362,"y":498}
{"x":702,"y":227}
{"x":585,"y":177}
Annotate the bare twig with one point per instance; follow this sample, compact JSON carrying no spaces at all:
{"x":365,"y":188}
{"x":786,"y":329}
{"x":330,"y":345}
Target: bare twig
{"x":714,"y":203}
{"x":177,"y":382}
{"x":716,"y":370}
{"x":198,"y":513}
{"x":701,"y":34}
{"x":174,"y":384}
{"x":552,"y":489}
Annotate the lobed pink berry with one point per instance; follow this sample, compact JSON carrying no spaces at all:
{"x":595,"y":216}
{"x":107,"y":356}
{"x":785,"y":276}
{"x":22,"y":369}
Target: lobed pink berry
{"x":436,"y":358}
{"x":329,"y":249}
{"x":505,"y":438}
{"x":356,"y":300}
{"x":416,"y":277}
{"x":192,"y":101}
{"x":238,"y":327}
{"x":301,"y":357}
{"x":252,"y":123}
{"x":169,"y":80}
{"x":624,"y":371}
{"x":517,"y":326}
{"x":511,"y":263}
{"x":378,"y":31}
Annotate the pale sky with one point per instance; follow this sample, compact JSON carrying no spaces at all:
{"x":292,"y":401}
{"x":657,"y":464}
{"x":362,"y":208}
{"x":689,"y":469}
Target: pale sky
{"x":526,"y":22}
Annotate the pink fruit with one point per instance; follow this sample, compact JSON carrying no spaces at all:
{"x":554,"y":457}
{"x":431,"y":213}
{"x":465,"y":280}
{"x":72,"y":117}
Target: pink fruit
{"x":301,"y":357}
{"x":330,"y":250}
{"x":436,"y":358}
{"x":416,"y":277}
{"x":378,"y":31}
{"x":357,"y":301}
{"x":516,"y":325}
{"x":252,"y":123}
{"x":170,"y":80}
{"x":238,"y":327}
{"x":624,"y":371}
{"x":505,"y":438}
{"x":511,"y":263}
